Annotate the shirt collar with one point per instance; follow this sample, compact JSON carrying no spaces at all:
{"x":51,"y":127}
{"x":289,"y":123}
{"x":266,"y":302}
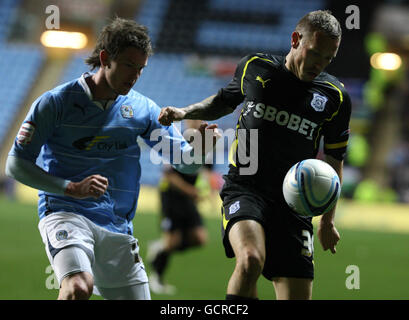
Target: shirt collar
{"x":101,"y":104}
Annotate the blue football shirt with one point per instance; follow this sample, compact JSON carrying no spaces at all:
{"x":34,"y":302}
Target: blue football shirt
{"x":71,"y":137}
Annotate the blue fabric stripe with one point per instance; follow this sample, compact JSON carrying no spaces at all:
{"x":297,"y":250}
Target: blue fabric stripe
{"x":53,"y":251}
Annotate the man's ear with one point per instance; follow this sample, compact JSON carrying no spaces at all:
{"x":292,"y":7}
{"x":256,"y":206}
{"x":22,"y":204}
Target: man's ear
{"x":295,"y":39}
{"x":104,"y":59}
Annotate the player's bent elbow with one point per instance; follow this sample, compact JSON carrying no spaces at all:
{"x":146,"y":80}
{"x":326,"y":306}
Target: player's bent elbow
{"x":11,"y":167}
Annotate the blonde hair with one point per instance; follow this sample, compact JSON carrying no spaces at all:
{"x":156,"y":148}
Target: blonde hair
{"x":320,"y":20}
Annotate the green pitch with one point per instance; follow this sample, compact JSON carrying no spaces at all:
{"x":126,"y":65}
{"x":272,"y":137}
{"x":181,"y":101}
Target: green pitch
{"x":382,"y":259}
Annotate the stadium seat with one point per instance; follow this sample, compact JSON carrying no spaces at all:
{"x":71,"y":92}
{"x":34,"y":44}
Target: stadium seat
{"x":21,"y":64}
{"x":8,"y":10}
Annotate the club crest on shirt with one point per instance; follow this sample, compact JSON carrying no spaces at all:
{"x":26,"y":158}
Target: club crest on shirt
{"x":234,"y":207}
{"x":25,"y":134}
{"x":318,"y":102}
{"x":127,"y":112}
{"x":61,"y":235}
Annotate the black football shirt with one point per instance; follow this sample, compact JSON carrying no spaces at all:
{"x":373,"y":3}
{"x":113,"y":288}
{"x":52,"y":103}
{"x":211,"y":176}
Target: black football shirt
{"x":282,"y":121}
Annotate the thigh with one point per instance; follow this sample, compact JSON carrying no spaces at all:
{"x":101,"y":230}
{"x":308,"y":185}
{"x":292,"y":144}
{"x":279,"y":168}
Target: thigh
{"x":117,"y":260}
{"x":242,"y":207}
{"x":69,"y":243}
{"x":247,"y":236}
{"x":133,"y":292}
{"x":289,"y":245}
{"x":69,"y":261}
{"x":293,"y":288}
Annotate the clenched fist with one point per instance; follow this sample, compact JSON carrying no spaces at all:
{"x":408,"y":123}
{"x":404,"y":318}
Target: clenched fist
{"x":169,"y":114}
{"x":92,"y":186}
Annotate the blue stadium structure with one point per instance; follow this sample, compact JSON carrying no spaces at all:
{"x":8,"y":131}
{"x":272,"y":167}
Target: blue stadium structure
{"x":19,"y":65}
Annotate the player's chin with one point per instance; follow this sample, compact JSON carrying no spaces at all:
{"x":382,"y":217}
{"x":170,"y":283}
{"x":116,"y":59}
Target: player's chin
{"x":308,"y":76}
{"x":124,"y":91}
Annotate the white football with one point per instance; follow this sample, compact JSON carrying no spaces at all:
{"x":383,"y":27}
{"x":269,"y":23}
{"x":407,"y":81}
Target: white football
{"x":311,"y":187}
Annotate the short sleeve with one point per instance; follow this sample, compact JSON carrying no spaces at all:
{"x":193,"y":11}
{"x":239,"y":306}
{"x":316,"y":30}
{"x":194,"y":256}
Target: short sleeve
{"x":233,"y":94}
{"x":36,"y":129}
{"x":336,"y":130}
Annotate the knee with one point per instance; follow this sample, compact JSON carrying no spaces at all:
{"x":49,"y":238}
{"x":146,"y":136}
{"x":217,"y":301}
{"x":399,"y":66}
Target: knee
{"x":200,"y":239}
{"x":196,"y":238}
{"x":76,"y":288}
{"x":250,"y":263}
{"x":79,"y":290}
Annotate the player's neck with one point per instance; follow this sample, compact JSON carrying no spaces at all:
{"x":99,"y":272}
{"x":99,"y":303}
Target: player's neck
{"x":99,"y":87}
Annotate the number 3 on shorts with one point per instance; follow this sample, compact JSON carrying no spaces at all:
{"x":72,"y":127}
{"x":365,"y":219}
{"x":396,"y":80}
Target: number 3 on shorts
{"x":308,"y":244}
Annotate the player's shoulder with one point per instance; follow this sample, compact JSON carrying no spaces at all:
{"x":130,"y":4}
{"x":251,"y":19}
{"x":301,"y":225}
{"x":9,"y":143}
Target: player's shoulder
{"x":331,"y":80}
{"x":137,"y":98}
{"x":67,"y":87}
{"x":52,"y":96}
{"x":65,"y":92}
{"x":268,"y":60}
{"x":146,"y":106}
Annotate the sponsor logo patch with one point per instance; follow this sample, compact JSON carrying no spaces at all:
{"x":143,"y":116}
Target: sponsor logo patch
{"x":100,"y":143}
{"x":25,"y":134}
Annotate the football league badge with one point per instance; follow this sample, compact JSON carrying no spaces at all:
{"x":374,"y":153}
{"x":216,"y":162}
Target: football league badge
{"x":127,"y":112}
{"x":318,"y":102}
{"x":25,"y":134}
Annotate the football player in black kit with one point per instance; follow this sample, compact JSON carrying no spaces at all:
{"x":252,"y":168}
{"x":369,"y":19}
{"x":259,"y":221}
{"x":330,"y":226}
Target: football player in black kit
{"x":182,"y":225}
{"x":292,"y":103}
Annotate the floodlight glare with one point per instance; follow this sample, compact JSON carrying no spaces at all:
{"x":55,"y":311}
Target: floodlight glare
{"x":386,"y":61}
{"x":64,"y":39}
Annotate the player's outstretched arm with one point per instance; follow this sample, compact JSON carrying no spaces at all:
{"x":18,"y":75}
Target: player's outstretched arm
{"x":31,"y":175}
{"x":208,"y":109}
{"x":327,"y":232}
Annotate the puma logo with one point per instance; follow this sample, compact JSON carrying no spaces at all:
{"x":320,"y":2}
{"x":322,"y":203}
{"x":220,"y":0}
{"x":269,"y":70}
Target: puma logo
{"x":263,"y":82}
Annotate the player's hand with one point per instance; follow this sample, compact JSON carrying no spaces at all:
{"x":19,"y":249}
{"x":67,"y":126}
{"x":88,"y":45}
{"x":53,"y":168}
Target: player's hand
{"x":169,"y":114}
{"x":206,"y":129}
{"x":92,"y":186}
{"x":328,"y":236}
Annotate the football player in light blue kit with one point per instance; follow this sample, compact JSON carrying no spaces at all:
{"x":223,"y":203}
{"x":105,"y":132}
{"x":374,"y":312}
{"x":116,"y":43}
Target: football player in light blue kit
{"x":78,"y":146}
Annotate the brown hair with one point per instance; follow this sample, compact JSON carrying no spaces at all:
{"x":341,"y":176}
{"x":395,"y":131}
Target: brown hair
{"x":320,"y":20}
{"x":117,"y":36}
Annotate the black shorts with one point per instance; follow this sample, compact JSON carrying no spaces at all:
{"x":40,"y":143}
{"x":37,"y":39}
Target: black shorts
{"x":289,"y":236}
{"x":179,"y":212}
